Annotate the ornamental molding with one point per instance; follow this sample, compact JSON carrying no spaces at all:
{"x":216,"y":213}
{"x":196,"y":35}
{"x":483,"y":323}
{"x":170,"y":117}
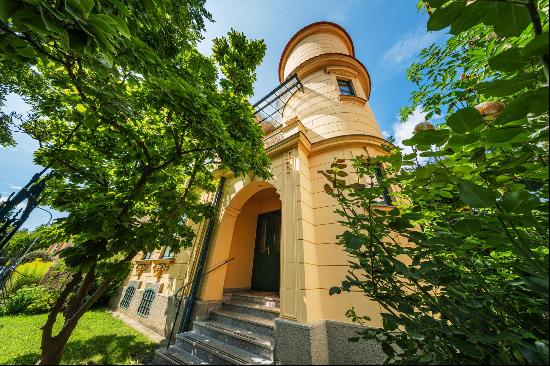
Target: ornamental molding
{"x":141,"y":267}
{"x":352,"y":99}
{"x":344,"y":71}
{"x":160,"y":268}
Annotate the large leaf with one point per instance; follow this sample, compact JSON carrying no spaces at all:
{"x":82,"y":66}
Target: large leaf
{"x":476,"y":195}
{"x":427,"y":138}
{"x":468,"y":227}
{"x":520,"y":201}
{"x":533,"y":101}
{"x":537,"y":46}
{"x":469,"y":17}
{"x":443,"y":17}
{"x":463,"y":140}
{"x":502,"y":88}
{"x":515,"y":19}
{"x":464,"y":120}
{"x":504,"y":134}
{"x":509,"y":61}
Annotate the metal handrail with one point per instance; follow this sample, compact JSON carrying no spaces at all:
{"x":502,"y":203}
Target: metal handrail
{"x":182,"y":289}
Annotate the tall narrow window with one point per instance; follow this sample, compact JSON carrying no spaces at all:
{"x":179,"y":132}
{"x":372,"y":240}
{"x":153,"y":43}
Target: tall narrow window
{"x":168,"y":253}
{"x":346,"y":87}
{"x":147,"y":255}
{"x":146,"y":301}
{"x":127,"y":297}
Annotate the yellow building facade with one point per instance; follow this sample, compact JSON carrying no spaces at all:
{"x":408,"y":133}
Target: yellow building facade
{"x":276,"y":239}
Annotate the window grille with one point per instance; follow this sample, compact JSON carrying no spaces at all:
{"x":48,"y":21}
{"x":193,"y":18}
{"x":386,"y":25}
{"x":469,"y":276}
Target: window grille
{"x":168,"y":252}
{"x":346,"y":87}
{"x":146,"y":301}
{"x":147,"y":255}
{"x":127,"y":297}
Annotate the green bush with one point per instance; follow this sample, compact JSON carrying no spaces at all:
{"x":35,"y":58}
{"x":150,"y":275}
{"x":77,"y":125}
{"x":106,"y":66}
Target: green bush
{"x":56,"y":277}
{"x":28,"y":274}
{"x":30,"y":300}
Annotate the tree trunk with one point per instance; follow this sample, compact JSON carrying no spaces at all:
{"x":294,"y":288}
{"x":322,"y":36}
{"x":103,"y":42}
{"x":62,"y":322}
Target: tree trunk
{"x":52,"y":351}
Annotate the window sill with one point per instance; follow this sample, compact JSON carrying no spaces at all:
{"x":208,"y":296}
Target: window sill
{"x":352,"y":99}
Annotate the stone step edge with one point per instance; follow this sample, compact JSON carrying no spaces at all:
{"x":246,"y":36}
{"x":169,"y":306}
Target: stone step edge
{"x":274,"y":310}
{"x":220,"y":327}
{"x":248,"y":318}
{"x":260,"y":297}
{"x":175,"y":357}
{"x":219,"y":348}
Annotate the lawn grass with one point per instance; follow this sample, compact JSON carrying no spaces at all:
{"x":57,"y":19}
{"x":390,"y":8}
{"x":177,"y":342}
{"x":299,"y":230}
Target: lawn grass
{"x":99,"y":338}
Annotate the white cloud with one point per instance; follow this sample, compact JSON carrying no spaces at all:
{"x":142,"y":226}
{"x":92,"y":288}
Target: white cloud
{"x":408,"y":47}
{"x":404,"y":130}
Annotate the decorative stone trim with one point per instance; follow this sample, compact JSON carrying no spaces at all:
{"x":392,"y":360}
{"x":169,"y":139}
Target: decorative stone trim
{"x":273,"y":138}
{"x":141,"y":267}
{"x":159,"y":268}
{"x":352,"y":99}
{"x":344,"y":71}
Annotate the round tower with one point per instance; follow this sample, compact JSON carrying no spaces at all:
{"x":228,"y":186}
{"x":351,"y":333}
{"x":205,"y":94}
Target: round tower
{"x":337,"y":86}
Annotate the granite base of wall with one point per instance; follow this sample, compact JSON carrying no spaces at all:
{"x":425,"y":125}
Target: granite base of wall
{"x":161,"y":315}
{"x":322,"y":343}
{"x":201,"y":309}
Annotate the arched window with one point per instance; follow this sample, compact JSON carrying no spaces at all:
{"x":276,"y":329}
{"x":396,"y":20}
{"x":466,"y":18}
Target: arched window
{"x":146,"y":301}
{"x":127,"y":297}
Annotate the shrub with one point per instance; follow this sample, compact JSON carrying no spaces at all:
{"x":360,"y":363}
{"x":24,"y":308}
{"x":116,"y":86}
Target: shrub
{"x":28,"y":274}
{"x":30,"y":300}
{"x":37,"y":254}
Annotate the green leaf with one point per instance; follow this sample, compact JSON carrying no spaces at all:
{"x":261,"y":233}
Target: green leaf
{"x":121,"y":26}
{"x":427,"y":138}
{"x":476,"y":195}
{"x":533,"y":101}
{"x":463,"y":140}
{"x":7,"y":9}
{"x":464,"y":120}
{"x":537,"y":46}
{"x":510,"y":60}
{"x":515,"y":19}
{"x":502,"y":88}
{"x":520,"y":201}
{"x":468,"y":227}
{"x":352,"y":241}
{"x":500,"y":135}
{"x":469,"y":17}
{"x":478,"y":154}
{"x":443,"y":17}
{"x":334,"y":290}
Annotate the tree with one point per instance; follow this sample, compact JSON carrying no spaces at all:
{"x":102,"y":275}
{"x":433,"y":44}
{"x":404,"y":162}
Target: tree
{"x":132,"y":123}
{"x":460,"y":267}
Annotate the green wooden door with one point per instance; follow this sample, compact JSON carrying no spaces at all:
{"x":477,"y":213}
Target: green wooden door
{"x":267,"y":253}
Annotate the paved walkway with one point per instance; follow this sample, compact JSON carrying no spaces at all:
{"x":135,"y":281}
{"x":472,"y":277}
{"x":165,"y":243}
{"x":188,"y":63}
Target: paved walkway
{"x":138,"y":327}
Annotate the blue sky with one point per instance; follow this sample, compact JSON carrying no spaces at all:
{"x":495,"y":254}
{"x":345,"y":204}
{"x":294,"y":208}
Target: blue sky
{"x":387,"y":38}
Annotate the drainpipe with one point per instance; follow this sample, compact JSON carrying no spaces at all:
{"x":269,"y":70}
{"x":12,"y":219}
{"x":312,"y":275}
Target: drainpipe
{"x":185,"y":320}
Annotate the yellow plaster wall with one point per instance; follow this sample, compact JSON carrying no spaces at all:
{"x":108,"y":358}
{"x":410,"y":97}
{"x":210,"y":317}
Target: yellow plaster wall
{"x":324,"y":115}
{"x":239,"y":271}
{"x":314,"y":45}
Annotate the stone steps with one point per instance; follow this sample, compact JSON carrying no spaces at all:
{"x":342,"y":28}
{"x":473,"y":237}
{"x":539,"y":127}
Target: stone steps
{"x":240,"y":333}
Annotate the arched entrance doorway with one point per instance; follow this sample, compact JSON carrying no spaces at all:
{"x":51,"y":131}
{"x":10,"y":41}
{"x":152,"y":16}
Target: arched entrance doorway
{"x":249,"y":232}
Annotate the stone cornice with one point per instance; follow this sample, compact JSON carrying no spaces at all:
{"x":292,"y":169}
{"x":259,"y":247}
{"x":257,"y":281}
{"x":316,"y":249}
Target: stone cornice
{"x":352,"y":99}
{"x":361,"y":140}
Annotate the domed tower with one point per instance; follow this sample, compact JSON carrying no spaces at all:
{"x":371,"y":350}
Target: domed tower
{"x":337,"y":86}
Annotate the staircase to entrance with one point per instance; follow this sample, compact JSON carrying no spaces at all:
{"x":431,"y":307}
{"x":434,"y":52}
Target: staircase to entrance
{"x":241,"y":332}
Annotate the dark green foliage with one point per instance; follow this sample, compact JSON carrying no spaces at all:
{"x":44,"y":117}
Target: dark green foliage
{"x":460,"y":267}
{"x":131,"y":122}
{"x":29,"y":301}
